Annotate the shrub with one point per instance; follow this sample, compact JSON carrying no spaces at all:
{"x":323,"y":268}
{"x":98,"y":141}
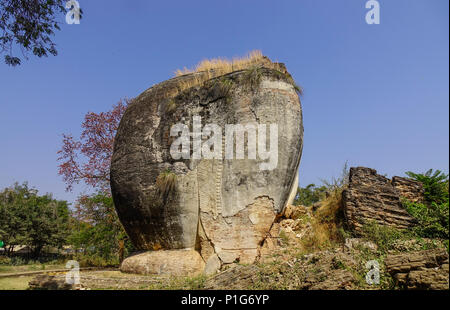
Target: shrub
{"x":97,"y":233}
{"x":5,"y":260}
{"x":383,"y":236}
{"x":433,"y":219}
{"x":435,"y":185}
{"x":433,"y":214}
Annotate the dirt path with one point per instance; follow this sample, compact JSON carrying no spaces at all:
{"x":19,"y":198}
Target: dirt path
{"x":30,"y":273}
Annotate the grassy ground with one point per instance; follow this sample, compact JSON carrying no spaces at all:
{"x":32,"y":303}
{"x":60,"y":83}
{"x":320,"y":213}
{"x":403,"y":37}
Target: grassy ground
{"x":17,"y":283}
{"x":21,"y":283}
{"x":30,"y":267}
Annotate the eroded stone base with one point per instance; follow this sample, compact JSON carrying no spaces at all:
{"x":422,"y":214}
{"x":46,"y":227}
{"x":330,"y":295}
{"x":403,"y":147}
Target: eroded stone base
{"x":183,"y":262}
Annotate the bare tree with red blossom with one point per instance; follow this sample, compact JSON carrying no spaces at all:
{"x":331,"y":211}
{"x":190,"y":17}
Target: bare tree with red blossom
{"x":95,"y":223}
{"x":88,"y":158}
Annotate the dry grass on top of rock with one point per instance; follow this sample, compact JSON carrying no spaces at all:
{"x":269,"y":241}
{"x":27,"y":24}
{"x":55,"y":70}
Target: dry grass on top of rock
{"x":210,"y":68}
{"x":220,"y":66}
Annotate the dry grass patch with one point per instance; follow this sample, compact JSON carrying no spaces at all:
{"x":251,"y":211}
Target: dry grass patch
{"x":327,"y":224}
{"x":220,"y":66}
{"x":211,"y":68}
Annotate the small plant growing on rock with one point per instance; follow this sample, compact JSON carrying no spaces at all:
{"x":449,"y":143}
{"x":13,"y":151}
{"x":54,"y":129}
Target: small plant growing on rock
{"x":226,"y":85}
{"x":252,"y":77}
{"x":281,"y":75}
{"x":165,"y":182}
{"x":221,"y":88}
{"x":284,"y":238}
{"x":170,"y":106}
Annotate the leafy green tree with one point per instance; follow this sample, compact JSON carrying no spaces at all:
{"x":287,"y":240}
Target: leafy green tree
{"x":310,"y":194}
{"x":47,"y":223}
{"x":434,"y":183}
{"x":13,"y":216}
{"x":27,"y":218}
{"x":97,"y":231}
{"x":27,"y":25}
{"x":433,"y":215}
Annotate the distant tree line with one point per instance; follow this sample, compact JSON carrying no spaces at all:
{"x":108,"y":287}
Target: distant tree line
{"x":33,"y":220}
{"x":90,"y":231}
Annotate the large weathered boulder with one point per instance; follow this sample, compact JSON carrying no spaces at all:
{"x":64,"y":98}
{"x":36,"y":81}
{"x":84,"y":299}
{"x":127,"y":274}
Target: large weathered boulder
{"x":373,"y":197}
{"x":170,"y":262}
{"x":221,"y":206}
{"x":427,"y":269}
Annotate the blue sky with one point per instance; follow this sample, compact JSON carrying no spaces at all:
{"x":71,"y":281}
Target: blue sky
{"x":375,"y":95}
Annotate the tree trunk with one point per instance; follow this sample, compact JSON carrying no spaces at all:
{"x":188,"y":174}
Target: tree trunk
{"x":37,"y":251}
{"x":121,"y":250}
{"x":9,"y":250}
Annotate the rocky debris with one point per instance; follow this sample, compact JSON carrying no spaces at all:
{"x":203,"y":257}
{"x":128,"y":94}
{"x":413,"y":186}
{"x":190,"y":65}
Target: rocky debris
{"x":326,"y":270}
{"x":336,"y":280}
{"x":372,"y":197}
{"x":411,"y":245}
{"x":168,"y":262}
{"x":294,"y":212}
{"x":213,"y":265}
{"x":427,"y":269}
{"x":409,"y":189}
{"x":290,"y":225}
{"x":288,"y":230}
{"x":329,"y":270}
{"x":358,"y":243}
{"x":271,"y":244}
{"x":49,"y":282}
{"x":238,"y":277}
{"x":216,"y":206}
